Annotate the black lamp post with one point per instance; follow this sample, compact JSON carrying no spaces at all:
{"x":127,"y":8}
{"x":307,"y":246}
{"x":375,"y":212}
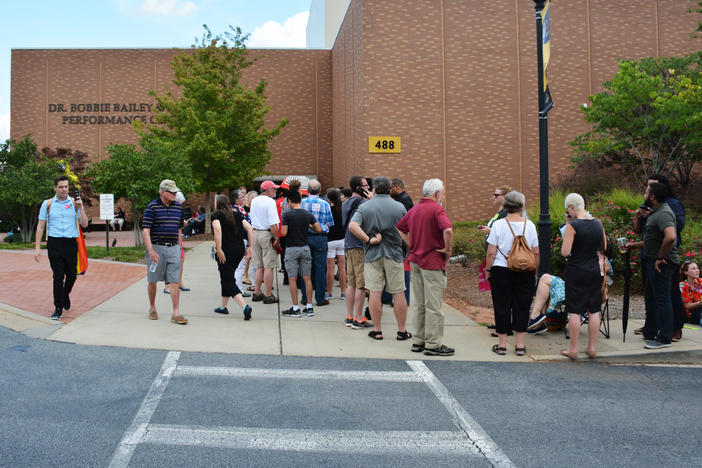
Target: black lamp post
{"x":544,"y":216}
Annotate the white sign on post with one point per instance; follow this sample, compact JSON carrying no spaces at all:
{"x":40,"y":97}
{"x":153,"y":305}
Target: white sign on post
{"x":107,"y":206}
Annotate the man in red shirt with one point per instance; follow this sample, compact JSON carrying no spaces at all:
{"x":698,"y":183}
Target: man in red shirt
{"x":429,"y":234}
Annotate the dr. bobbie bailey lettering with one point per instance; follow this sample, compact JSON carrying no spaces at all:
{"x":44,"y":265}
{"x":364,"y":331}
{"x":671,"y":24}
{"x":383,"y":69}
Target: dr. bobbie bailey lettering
{"x":88,"y":113}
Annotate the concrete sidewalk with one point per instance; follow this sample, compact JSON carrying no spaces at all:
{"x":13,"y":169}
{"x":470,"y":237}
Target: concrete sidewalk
{"x":121,"y":321}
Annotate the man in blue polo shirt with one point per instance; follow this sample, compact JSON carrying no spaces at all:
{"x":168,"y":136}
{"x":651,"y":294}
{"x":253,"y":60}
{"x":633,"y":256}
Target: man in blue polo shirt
{"x":162,"y":238}
{"x":62,"y":219}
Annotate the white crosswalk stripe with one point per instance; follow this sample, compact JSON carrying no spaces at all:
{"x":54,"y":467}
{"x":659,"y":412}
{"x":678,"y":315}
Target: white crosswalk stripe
{"x":469,"y":440}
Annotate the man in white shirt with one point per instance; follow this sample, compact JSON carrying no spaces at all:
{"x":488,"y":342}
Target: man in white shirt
{"x":264,"y":220}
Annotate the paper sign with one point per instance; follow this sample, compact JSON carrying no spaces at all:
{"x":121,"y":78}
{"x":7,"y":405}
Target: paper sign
{"x":107,"y":206}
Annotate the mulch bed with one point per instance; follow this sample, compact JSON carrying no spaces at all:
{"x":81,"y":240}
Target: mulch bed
{"x":462,"y":294}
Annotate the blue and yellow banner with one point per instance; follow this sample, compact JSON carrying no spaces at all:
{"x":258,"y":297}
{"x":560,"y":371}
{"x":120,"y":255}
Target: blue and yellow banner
{"x":546,"y":41}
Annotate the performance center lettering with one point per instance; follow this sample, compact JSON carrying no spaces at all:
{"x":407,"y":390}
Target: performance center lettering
{"x":104,"y":113}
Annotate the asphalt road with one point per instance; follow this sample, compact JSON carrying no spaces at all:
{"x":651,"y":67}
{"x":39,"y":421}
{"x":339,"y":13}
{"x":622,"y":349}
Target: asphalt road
{"x":71,"y":405}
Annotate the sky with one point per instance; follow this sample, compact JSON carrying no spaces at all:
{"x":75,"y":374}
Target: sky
{"x":87,"y":24}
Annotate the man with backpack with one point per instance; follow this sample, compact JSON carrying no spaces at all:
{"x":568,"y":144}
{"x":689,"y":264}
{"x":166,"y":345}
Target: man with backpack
{"x":60,"y":216}
{"x":355,"y":284}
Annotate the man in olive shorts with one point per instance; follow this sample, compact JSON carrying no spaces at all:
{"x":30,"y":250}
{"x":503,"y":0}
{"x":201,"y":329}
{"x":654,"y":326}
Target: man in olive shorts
{"x":374,"y":224}
{"x":355,"y":285}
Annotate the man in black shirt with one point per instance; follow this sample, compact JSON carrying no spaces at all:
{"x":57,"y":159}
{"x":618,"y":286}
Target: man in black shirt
{"x":294,"y":227}
{"x":397,"y":192}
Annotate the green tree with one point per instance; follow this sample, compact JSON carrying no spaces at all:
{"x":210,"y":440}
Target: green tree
{"x":135,"y":175}
{"x":78,"y":162}
{"x":218,"y":123}
{"x":26,"y":178}
{"x":649,"y":118}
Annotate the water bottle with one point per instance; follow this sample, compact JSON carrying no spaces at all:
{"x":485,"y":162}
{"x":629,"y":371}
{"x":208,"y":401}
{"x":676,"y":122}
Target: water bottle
{"x":153,"y":266}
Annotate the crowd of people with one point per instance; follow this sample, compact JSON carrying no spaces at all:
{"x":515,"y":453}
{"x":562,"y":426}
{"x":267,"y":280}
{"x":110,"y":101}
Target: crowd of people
{"x":378,"y":244}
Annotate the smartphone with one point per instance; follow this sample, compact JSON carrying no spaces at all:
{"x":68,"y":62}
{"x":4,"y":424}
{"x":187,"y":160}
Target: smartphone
{"x":76,"y":194}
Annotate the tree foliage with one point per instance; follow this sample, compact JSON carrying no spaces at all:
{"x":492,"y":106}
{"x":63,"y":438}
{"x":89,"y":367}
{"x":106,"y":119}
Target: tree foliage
{"x":648,"y":119}
{"x":218,"y":123}
{"x":135,"y":175}
{"x":78,"y":161}
{"x":26,"y":178}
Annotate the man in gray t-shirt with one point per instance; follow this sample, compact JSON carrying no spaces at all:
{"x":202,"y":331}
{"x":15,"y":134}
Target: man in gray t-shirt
{"x":374,"y":224}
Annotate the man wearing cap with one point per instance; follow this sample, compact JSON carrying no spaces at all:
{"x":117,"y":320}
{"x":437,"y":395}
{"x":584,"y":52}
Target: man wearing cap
{"x":264,"y":219}
{"x":161,"y":233}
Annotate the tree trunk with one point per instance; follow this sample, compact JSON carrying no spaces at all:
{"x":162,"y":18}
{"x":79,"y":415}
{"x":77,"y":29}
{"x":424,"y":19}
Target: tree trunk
{"x":138,"y":240}
{"x":208,"y":214}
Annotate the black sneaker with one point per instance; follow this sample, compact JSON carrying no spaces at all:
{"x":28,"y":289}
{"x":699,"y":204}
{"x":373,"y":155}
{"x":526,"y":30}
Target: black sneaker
{"x":291,"y":313}
{"x":655,"y":344}
{"x":309,"y":311}
{"x":442,"y":350}
{"x":258,"y":297}
{"x":219,"y":310}
{"x":534,"y":323}
{"x":417,"y":348}
{"x":57,"y":314}
{"x":66,"y":304}
{"x":247,"y":312}
{"x":538,"y":330}
{"x":270,"y":299}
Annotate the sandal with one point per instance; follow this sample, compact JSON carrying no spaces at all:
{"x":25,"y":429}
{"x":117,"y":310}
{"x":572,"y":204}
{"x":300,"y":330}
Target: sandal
{"x":376,"y":335}
{"x":568,"y":354}
{"x":497,"y":349}
{"x":591,"y":354}
{"x":250,"y":288}
{"x":153,"y":315}
{"x":520,"y":351}
{"x":403,"y":335}
{"x":180,"y":320}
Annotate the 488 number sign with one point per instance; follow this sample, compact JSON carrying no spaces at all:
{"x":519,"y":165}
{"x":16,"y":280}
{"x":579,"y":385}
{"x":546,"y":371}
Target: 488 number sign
{"x":384,"y":144}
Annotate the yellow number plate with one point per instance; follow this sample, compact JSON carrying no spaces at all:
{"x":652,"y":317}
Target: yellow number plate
{"x":384,"y":144}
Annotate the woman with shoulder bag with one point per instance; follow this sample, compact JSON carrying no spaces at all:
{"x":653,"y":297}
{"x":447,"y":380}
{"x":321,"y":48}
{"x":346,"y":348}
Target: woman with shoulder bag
{"x":513,"y":290}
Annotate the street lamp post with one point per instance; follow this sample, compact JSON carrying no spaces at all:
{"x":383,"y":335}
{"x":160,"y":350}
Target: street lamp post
{"x":544,"y":216}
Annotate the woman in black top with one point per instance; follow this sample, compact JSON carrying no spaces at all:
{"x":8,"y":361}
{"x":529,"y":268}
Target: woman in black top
{"x":335,"y":245}
{"x":584,"y":237}
{"x":229,"y":229}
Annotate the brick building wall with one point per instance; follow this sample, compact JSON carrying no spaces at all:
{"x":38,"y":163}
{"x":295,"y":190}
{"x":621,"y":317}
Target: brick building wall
{"x":455,"y":79}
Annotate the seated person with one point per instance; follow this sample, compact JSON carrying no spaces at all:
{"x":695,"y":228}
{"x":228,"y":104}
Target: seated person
{"x":196,"y":224}
{"x":118,"y":220}
{"x":691,"y":292}
{"x":550,"y":297}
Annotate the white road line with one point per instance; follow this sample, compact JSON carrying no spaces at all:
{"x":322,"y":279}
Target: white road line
{"x":124,"y":451}
{"x":389,"y":376}
{"x":426,"y":443}
{"x":461,"y":418}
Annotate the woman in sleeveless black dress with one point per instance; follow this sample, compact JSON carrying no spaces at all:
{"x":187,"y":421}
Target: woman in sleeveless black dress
{"x":583,"y":237}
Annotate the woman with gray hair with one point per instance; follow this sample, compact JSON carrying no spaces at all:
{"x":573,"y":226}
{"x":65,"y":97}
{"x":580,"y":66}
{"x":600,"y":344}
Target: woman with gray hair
{"x":513,"y":290}
{"x":583,"y":276}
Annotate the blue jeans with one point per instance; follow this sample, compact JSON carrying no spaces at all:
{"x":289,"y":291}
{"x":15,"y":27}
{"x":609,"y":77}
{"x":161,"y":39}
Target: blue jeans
{"x":318,"y":247}
{"x":386,"y":297}
{"x":659,"y":306}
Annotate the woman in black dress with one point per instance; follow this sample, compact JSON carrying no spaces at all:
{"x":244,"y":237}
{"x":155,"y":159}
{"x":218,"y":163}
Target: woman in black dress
{"x":583,"y":237}
{"x":229,"y":229}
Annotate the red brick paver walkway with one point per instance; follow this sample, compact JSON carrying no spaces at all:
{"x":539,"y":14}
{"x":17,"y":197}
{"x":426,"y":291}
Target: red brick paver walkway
{"x":27,"y":285}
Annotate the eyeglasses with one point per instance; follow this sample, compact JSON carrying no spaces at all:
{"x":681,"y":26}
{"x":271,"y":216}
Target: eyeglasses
{"x":495,"y":195}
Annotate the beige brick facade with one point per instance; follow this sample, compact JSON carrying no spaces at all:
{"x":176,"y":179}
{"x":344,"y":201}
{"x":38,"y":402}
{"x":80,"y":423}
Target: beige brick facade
{"x":455,"y":79}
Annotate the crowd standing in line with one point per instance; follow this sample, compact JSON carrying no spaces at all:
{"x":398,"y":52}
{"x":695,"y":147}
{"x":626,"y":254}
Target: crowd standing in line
{"x":376,"y":237}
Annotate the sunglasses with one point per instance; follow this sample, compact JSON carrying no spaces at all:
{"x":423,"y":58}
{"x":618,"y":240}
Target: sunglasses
{"x":495,"y":195}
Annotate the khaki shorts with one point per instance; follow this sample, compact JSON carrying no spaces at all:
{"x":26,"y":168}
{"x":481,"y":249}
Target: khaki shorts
{"x":264,"y":255}
{"x":354,"y":268}
{"x":387,"y":273}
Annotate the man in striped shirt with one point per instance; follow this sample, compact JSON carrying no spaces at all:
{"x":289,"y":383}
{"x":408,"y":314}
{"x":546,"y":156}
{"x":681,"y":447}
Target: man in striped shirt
{"x":162,"y":238}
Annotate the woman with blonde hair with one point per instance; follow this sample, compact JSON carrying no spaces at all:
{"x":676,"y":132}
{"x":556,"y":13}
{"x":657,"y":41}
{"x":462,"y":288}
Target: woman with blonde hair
{"x":583,"y":274}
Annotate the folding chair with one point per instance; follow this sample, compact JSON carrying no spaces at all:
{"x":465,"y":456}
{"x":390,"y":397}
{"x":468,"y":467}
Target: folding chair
{"x":604,"y":319}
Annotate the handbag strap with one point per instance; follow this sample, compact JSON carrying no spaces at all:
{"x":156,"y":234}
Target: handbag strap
{"x":513,"y":235}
